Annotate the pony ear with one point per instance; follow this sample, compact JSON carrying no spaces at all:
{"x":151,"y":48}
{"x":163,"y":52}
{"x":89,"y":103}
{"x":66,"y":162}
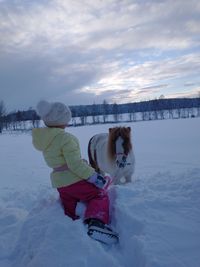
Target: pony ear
{"x":129,"y":129}
{"x":110,"y":130}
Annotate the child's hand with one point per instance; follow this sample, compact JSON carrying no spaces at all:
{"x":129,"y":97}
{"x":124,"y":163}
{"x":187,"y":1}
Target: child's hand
{"x":98,"y":180}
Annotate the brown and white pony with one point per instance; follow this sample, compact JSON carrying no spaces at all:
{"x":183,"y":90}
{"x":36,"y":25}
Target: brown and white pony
{"x":112,"y":153}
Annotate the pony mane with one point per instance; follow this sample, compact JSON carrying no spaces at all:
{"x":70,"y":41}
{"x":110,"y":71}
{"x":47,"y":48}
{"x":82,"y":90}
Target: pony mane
{"x":114,"y":133}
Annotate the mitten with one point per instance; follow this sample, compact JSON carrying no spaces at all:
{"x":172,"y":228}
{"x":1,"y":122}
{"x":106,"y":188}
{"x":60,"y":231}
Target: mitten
{"x":97,"y":179}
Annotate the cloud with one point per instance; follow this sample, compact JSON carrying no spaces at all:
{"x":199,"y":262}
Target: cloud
{"x":90,"y":50}
{"x":188,"y":84}
{"x":155,"y":87}
{"x":143,"y":80}
{"x":193,"y":93}
{"x":100,"y":24}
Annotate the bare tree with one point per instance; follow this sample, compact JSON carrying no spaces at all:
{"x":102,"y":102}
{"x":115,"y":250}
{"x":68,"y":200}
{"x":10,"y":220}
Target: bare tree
{"x":105,"y":111}
{"x":198,"y":107}
{"x":94,"y":113}
{"x":2,"y":114}
{"x":115,"y":112}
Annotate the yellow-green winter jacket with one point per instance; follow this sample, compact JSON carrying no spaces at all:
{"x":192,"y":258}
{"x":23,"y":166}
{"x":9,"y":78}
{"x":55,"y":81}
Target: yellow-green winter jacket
{"x":61,"y":148}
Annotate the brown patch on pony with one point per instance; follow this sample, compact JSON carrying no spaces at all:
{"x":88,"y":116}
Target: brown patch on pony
{"x":93,"y":162}
{"x":114,"y":133}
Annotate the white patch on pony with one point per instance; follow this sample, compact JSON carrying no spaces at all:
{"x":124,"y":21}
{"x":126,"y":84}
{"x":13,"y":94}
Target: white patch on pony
{"x":120,"y":155}
{"x":119,"y":145}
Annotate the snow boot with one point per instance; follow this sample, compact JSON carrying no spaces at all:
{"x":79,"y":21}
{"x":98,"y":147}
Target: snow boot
{"x":101,"y":232}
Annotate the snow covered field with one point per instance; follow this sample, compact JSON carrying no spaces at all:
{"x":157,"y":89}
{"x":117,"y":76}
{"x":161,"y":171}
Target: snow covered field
{"x":157,"y":216}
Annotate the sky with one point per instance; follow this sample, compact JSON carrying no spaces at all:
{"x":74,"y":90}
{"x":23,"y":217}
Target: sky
{"x":88,"y":51}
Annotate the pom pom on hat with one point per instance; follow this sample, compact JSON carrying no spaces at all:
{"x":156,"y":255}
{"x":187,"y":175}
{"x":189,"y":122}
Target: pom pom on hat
{"x":43,"y":108}
{"x":53,"y":114}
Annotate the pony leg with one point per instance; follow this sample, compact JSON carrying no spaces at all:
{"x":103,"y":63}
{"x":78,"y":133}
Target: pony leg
{"x":128,"y":179}
{"x":117,"y":181}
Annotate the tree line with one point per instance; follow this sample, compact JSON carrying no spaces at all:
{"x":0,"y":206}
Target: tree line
{"x":149,"y":110}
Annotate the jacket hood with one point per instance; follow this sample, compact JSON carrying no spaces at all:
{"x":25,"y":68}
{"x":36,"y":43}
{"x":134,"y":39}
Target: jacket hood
{"x":42,"y":137}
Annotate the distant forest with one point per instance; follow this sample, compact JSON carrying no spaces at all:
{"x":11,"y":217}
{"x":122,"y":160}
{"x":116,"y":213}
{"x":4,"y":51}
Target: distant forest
{"x":144,"y":106}
{"x":152,"y":109}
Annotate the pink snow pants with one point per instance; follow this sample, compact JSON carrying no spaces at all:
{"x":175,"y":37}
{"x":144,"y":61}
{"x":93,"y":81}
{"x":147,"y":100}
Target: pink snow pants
{"x":96,"y":200}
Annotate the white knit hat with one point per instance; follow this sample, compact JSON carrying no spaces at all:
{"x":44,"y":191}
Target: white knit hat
{"x":53,"y":114}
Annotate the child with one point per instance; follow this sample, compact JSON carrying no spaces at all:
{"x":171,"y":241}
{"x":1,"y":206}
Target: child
{"x":74,"y":179}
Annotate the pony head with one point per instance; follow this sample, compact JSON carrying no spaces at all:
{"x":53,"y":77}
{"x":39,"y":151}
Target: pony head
{"x":119,"y":144}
